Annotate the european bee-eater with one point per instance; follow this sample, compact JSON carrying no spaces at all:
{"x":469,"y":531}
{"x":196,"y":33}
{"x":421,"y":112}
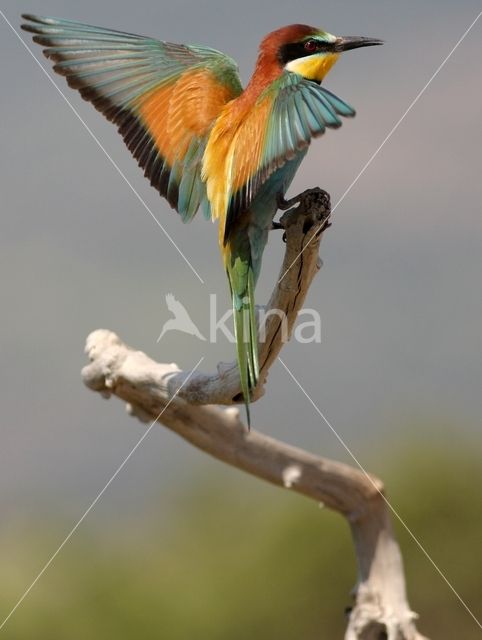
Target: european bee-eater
{"x":204,"y":141}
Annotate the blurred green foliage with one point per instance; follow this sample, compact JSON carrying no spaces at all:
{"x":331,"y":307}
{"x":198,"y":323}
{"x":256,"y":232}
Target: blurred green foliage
{"x":241,"y":560}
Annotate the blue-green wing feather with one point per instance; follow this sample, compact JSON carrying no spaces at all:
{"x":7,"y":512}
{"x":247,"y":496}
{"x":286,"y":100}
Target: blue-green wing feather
{"x":112,"y":69}
{"x":301,"y":110}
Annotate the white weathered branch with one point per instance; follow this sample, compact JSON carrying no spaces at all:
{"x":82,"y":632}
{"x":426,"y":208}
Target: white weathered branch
{"x":381,"y":610}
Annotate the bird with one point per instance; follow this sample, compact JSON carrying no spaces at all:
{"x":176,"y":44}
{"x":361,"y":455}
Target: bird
{"x":181,"y":321}
{"x":203,"y":140}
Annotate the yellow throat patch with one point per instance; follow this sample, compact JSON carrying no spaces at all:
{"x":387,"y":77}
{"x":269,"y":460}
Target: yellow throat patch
{"x":313,"y":67}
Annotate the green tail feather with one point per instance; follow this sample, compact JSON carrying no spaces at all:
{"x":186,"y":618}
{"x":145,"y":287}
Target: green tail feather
{"x":241,"y":281}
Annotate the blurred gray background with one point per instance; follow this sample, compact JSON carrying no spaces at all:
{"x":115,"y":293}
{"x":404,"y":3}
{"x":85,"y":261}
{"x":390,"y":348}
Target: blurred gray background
{"x":399,"y":293}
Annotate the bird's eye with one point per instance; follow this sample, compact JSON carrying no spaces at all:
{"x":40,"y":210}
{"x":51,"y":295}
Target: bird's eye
{"x":311,"y":45}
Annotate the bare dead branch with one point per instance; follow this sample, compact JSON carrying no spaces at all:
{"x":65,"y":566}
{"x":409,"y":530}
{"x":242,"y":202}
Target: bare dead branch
{"x":380,"y":610}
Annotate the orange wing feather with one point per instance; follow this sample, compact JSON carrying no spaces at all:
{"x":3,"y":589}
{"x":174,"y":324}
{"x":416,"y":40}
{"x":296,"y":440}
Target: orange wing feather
{"x":163,"y":97}
{"x":173,"y":114}
{"x":233,"y":152}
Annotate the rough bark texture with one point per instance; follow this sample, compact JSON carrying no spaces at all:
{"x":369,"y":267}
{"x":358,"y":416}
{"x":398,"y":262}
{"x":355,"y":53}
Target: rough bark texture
{"x":184,"y":403}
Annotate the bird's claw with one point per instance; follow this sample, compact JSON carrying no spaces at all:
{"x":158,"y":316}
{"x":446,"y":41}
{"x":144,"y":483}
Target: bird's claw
{"x":311,"y":198}
{"x":315,"y":207}
{"x":283,"y":204}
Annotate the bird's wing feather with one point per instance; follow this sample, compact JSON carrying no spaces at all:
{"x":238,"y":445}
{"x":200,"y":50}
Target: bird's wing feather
{"x":285,"y":118}
{"x":163,"y":97}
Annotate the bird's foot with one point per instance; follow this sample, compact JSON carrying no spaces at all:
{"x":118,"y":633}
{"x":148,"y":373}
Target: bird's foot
{"x":284,"y":204}
{"x":315,"y":206}
{"x":315,"y":196}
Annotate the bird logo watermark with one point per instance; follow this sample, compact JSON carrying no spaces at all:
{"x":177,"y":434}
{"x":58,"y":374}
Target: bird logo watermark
{"x":307,"y":330}
{"x":181,"y":320}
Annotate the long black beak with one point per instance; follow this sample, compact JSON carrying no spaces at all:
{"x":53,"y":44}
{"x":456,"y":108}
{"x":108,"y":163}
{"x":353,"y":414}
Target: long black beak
{"x":345,"y":43}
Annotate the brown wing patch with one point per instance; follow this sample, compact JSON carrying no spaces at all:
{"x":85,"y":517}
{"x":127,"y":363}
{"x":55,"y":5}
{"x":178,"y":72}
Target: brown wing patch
{"x":249,"y":144}
{"x":233,"y":157}
{"x":176,"y":112}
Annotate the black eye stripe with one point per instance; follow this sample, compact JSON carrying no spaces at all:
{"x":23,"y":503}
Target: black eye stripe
{"x":295,"y":50}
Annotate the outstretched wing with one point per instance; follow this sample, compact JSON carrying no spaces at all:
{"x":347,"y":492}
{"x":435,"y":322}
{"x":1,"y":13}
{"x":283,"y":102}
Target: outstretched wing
{"x":163,"y":97}
{"x":285,"y":118}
